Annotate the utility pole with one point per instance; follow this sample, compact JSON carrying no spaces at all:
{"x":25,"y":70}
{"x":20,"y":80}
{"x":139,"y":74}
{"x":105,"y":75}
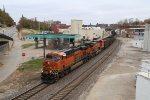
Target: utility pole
{"x":39,"y":27}
{"x":44,"y":41}
{"x":44,"y":45}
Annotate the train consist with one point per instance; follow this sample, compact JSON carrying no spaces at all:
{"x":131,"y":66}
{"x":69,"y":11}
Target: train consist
{"x":58,"y":64}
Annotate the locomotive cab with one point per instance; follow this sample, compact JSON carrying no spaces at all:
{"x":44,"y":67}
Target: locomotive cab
{"x":51,"y":66}
{"x":51,"y":62}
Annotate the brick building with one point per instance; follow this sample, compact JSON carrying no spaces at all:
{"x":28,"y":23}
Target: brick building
{"x":56,"y":28}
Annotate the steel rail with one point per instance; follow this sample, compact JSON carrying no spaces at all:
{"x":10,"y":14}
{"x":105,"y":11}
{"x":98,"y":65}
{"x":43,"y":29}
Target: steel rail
{"x":31,"y":92}
{"x":63,"y":92}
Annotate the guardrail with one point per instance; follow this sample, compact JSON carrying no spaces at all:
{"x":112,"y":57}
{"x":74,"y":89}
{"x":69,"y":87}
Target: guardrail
{"x":4,"y":47}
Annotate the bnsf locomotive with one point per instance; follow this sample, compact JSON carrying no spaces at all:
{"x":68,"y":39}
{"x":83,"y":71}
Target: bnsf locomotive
{"x":58,"y":64}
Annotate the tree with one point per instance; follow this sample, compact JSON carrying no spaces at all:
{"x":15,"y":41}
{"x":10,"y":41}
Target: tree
{"x":44,"y":26}
{"x":126,"y":23}
{"x":136,"y":22}
{"x":5,"y":18}
{"x":32,"y":24}
{"x":35,"y":24}
{"x":19,"y":27}
{"x":131,"y":20}
{"x":147,"y":21}
{"x":25,"y":23}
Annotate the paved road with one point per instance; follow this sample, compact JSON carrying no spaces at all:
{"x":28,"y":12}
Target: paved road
{"x":10,"y":59}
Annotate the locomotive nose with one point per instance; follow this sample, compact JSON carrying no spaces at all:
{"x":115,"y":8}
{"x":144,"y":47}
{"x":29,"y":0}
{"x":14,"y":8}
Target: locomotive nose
{"x":46,"y":62}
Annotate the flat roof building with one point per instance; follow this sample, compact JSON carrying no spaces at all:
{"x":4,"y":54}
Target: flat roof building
{"x":143,"y":86}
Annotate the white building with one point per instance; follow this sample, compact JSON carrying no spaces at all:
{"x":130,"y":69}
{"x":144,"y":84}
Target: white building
{"x":147,"y":38}
{"x":93,"y":33}
{"x":143,"y":86}
{"x":89,"y":33}
{"x":76,"y":26}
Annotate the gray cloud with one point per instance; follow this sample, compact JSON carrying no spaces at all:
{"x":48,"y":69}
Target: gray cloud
{"x":102,"y":11}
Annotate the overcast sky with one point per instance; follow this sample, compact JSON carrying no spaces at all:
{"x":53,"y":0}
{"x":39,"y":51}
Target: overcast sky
{"x":101,"y":11}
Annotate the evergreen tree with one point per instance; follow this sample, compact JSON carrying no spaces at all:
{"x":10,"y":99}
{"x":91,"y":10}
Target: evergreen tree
{"x":5,"y":18}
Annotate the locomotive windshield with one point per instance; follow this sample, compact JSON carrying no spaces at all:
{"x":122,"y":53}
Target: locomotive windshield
{"x":56,"y":58}
{"x":48,"y":57}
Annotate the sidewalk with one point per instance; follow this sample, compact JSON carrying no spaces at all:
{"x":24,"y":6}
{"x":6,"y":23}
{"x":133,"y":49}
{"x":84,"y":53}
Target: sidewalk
{"x":10,"y":61}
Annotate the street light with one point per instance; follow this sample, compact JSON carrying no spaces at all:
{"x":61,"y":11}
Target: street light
{"x":44,"y":44}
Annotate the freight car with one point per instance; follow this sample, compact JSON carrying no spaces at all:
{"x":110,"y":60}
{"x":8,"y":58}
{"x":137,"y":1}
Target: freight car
{"x":58,"y":64}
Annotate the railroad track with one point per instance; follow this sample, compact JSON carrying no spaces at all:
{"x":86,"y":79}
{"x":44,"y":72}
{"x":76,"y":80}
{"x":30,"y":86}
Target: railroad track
{"x":66,"y":90}
{"x":63,"y":92}
{"x":31,"y":92}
